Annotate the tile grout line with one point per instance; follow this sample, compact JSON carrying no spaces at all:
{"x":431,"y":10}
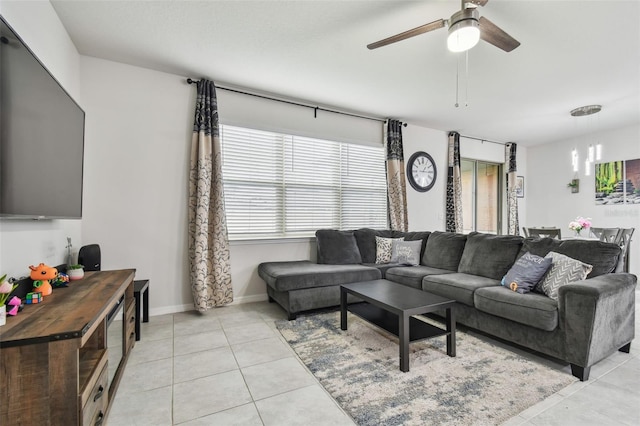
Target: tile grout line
{"x":318,"y":383}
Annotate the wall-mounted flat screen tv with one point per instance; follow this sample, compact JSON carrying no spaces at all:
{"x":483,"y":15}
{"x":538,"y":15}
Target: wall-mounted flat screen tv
{"x":41,"y":138}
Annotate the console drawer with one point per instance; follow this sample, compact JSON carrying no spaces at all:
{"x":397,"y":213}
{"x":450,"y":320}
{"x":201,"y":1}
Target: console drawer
{"x":94,"y":410}
{"x":130,"y":330}
{"x":97,"y":418}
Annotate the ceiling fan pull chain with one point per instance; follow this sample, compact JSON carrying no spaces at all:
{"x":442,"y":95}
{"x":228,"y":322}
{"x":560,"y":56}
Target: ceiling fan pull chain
{"x":457,"y":78}
{"x":466,"y":76}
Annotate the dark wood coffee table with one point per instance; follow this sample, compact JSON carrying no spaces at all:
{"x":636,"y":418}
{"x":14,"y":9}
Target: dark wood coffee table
{"x":391,"y":305}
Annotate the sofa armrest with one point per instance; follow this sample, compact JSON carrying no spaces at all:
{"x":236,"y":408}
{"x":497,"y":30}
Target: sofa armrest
{"x":598,"y":316}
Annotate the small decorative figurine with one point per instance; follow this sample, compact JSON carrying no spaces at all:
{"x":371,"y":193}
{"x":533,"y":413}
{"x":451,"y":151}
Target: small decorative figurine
{"x":62,"y":280}
{"x":16,"y":306}
{"x":41,"y":275}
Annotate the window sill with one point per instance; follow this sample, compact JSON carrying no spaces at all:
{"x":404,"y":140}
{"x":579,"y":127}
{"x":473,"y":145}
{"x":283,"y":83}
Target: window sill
{"x":271,"y":240}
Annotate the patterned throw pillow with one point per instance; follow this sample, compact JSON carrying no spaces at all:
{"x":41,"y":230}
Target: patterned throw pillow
{"x":383,"y":249}
{"x":526,"y":273}
{"x":564,"y":270}
{"x":406,"y":252}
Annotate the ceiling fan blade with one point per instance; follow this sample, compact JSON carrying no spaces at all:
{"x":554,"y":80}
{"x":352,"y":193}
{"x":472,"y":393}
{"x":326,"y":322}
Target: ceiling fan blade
{"x":408,"y":34}
{"x":478,"y":2}
{"x":493,"y":34}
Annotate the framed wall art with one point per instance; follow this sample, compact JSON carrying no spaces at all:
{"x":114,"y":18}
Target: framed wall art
{"x":520,"y":186}
{"x":617,"y":182}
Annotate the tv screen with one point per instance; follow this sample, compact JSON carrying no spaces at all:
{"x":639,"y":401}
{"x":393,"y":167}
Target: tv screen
{"x":41,"y":138}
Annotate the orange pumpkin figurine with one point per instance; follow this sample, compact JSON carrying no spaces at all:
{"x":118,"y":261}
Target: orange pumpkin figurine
{"x":41,"y":275}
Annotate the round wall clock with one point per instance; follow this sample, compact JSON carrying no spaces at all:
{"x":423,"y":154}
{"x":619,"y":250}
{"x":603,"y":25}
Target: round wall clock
{"x":421,"y":171}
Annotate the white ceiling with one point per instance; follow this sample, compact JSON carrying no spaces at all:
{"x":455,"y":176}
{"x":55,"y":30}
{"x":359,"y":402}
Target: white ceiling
{"x":573,"y":53}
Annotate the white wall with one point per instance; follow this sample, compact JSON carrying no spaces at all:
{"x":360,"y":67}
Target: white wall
{"x":263,"y":114}
{"x":550,"y":201}
{"x":22,"y":242}
{"x":426,"y":209}
{"x":138,"y":132}
{"x":138,"y":135}
{"x":136,"y":159}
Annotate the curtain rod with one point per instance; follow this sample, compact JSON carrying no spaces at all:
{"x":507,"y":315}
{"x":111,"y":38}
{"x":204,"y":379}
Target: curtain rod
{"x":314,"y":108}
{"x":483,"y":140}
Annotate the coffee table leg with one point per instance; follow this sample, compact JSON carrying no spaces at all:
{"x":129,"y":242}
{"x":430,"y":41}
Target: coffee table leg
{"x":404,"y":341}
{"x":451,"y":329}
{"x":343,"y":309}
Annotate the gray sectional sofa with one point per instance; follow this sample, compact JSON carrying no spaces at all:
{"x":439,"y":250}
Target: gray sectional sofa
{"x":589,"y":320}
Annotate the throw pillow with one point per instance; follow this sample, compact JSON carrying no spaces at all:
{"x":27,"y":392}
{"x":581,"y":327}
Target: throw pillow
{"x":383,"y":249}
{"x":337,"y":247}
{"x":564,"y":270}
{"x":526,"y":273}
{"x":406,"y":252}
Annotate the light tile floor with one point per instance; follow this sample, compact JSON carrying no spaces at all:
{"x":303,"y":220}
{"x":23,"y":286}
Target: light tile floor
{"x":231,"y":366}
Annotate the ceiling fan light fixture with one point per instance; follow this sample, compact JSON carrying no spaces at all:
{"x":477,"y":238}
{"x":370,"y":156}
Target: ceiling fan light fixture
{"x":464,"y":31}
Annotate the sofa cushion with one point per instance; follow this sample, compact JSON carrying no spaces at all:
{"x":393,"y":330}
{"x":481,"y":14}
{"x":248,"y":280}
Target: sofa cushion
{"x":383,"y":248}
{"x":406,"y":252}
{"x":337,"y":247}
{"x":602,"y":256}
{"x":526,"y":273}
{"x":532,"y":309}
{"x":412,"y":275}
{"x":285,"y":276}
{"x":444,"y":250}
{"x":563,"y":270}
{"x":366,"y":239}
{"x":457,"y":285}
{"x":489,"y":255}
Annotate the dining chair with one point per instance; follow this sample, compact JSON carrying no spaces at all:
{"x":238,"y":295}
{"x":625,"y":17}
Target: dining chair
{"x":525,"y":231}
{"x":607,"y":235}
{"x":596,"y":232}
{"x":544,"y":232}
{"x":624,"y":241}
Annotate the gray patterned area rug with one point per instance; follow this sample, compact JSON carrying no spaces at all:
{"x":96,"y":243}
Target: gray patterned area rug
{"x":484,"y":384}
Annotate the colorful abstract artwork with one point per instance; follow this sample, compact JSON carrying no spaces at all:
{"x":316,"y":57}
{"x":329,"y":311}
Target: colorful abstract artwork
{"x":617,"y":182}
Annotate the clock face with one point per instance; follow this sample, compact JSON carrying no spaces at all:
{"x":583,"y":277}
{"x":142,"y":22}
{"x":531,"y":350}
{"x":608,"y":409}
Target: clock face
{"x":421,"y":171}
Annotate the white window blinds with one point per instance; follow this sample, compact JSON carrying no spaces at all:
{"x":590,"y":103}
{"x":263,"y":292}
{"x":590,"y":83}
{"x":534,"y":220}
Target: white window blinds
{"x":280,"y":185}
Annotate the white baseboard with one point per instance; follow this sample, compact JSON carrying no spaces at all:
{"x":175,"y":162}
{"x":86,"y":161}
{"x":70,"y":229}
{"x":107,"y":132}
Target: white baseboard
{"x":171,"y":309}
{"x":165,"y":310}
{"x":250,"y":299}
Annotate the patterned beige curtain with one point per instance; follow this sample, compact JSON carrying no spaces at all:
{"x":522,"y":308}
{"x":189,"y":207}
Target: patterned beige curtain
{"x":453,"y":208}
{"x":396,"y":182}
{"x":210,"y":269}
{"x":513,"y":227}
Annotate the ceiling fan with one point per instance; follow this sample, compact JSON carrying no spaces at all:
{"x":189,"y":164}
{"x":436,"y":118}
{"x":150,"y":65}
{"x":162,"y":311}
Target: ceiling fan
{"x":466,"y":27}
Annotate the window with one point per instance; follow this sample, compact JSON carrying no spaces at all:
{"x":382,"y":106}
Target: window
{"x":279,"y":185}
{"x":481,"y":201}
